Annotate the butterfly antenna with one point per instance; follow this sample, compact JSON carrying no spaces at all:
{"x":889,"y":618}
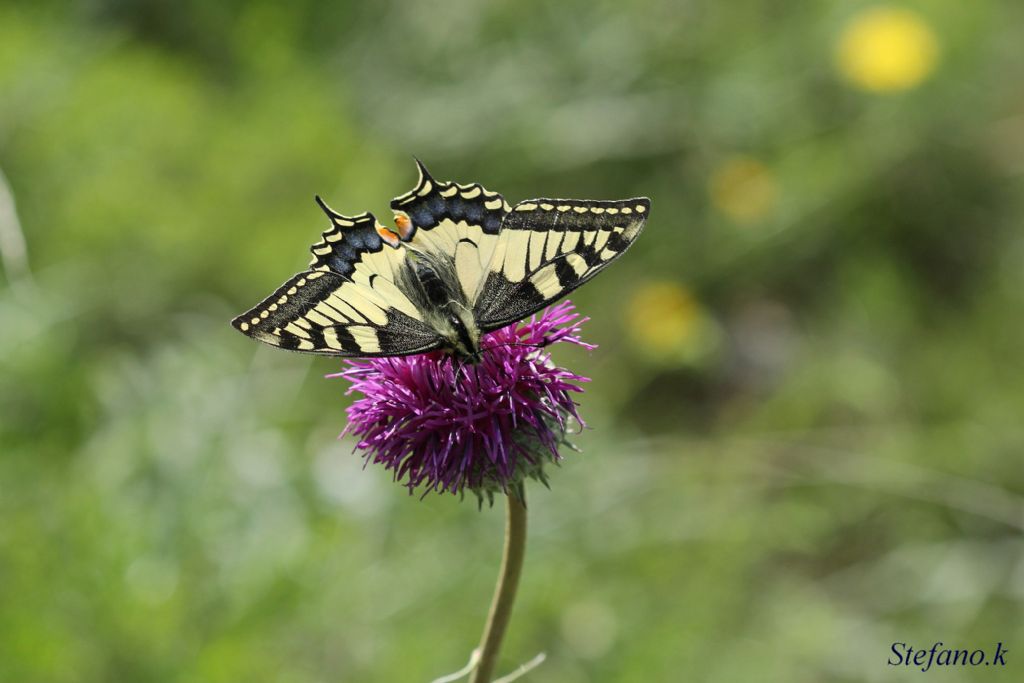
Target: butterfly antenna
{"x":541,"y":345}
{"x":463,"y":364}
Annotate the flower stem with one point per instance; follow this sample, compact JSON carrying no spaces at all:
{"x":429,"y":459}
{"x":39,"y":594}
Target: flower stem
{"x":505,"y":591}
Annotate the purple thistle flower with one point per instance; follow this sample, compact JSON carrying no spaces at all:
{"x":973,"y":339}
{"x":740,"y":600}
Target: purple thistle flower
{"x":449,"y":426}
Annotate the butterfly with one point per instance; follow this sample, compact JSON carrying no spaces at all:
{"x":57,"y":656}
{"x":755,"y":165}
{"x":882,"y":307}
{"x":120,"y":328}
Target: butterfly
{"x":460,"y":262}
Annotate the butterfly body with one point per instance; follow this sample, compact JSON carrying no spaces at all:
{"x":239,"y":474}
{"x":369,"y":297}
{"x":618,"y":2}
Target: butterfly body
{"x":460,"y":263}
{"x":433,"y":286}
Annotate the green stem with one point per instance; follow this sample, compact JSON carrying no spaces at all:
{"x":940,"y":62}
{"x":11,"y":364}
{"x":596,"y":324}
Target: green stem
{"x":505,"y":591}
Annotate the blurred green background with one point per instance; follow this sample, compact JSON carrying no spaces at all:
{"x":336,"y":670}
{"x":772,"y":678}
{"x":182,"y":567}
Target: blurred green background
{"x":805,"y":430}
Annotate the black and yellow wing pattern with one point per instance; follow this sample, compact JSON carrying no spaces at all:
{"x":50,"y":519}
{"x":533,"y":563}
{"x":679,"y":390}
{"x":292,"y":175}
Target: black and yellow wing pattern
{"x":347,"y":303}
{"x":548,"y":248}
{"x":457,"y":222}
{"x":456,"y":251}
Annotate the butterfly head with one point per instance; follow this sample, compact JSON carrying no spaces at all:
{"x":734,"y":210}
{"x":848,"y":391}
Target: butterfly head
{"x":462,"y":338}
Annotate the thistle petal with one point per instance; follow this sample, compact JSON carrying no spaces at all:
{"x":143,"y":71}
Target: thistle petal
{"x":483,"y":427}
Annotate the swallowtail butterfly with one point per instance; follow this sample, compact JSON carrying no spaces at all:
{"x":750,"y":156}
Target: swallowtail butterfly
{"x":460,"y":262}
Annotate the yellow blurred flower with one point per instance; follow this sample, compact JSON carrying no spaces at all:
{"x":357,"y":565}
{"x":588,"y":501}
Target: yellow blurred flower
{"x":744,"y":189}
{"x":664,"y":317}
{"x":887,"y":49}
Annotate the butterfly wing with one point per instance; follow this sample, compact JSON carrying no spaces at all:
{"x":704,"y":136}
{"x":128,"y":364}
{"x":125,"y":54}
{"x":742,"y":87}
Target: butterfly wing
{"x":347,"y":303}
{"x":549,"y":247}
{"x":455,"y":222}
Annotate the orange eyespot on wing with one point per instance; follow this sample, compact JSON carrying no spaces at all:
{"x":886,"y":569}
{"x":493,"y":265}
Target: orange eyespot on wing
{"x":388,"y":236}
{"x":404,"y":226}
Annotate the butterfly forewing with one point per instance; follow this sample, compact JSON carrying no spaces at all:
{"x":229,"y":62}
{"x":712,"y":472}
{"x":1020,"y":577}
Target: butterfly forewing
{"x":549,"y":247}
{"x":347,"y":303}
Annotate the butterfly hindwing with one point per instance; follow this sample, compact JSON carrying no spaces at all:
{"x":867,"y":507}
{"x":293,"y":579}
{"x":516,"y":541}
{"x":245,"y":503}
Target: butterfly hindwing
{"x":549,"y":247}
{"x":457,"y":222}
{"x":347,"y":303}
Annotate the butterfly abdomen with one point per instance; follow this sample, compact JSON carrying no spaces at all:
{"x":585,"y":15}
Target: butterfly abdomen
{"x":437,"y":293}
